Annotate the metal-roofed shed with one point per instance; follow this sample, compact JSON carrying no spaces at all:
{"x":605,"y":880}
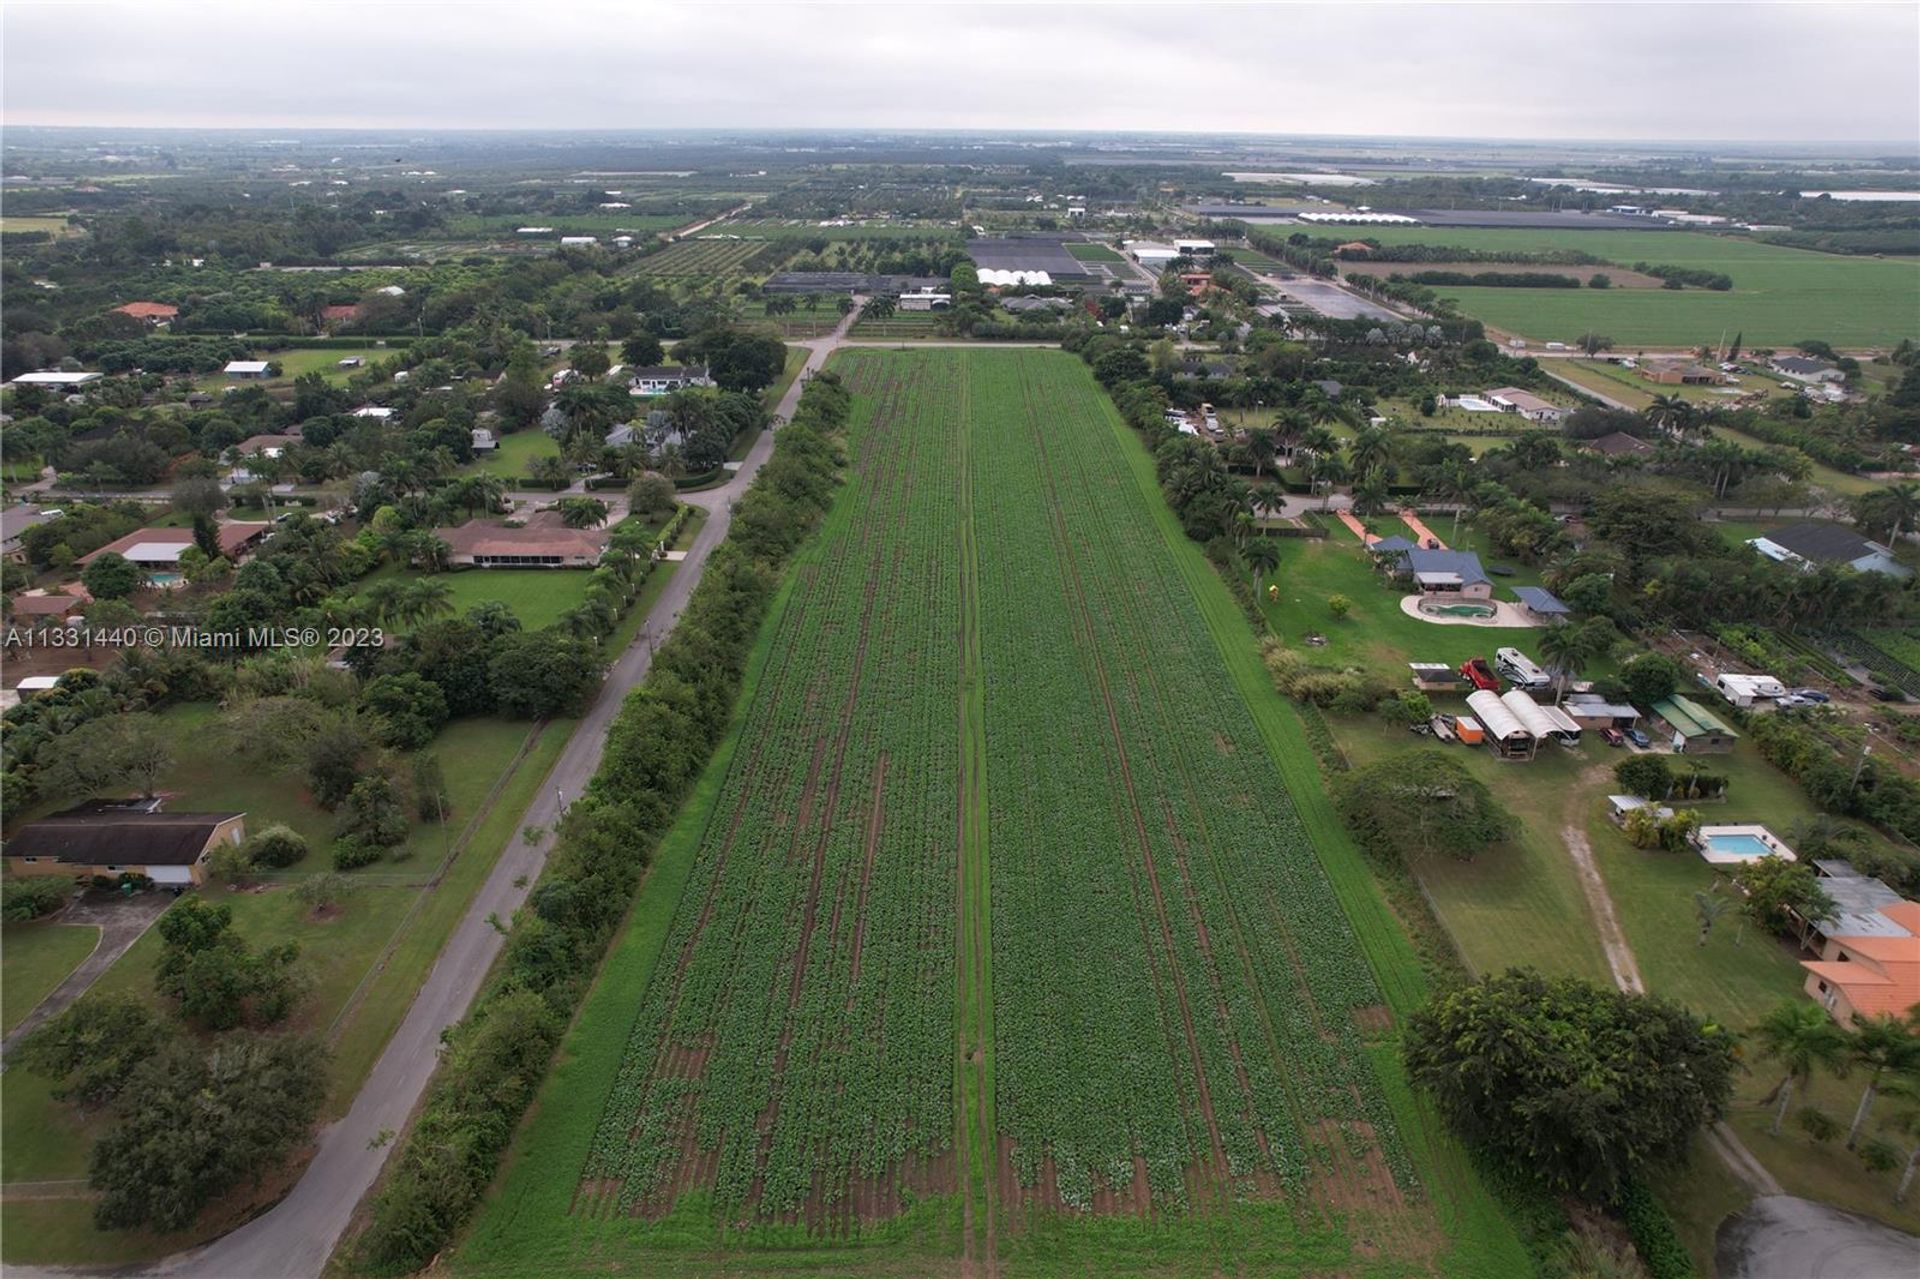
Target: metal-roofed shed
{"x":1507,"y":737}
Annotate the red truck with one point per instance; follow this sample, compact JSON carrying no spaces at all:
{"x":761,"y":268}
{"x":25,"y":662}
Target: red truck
{"x":1479,"y":673}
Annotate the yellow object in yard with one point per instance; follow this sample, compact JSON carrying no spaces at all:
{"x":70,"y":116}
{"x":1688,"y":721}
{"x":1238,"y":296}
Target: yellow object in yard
{"x":1273,"y":593}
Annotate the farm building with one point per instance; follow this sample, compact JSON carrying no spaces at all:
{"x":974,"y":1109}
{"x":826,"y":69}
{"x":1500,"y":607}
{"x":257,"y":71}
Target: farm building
{"x":1872,"y":972}
{"x":248,"y":369}
{"x":579,"y":241}
{"x":1506,"y":736}
{"x":1150,"y":253}
{"x":664,"y":379}
{"x":543,"y":542}
{"x":1618,"y":444}
{"x":1025,"y":256}
{"x":1744,"y":690}
{"x":55,"y":380}
{"x":1802,"y":369}
{"x":1193,"y":248}
{"x":1511,"y":399}
{"x":150,"y":312}
{"x":1590,"y":710}
{"x":925,"y":300}
{"x":377,"y":412}
{"x":115,"y":839}
{"x":1020,"y":306}
{"x":1813,"y":544}
{"x":1695,"y":729}
{"x":1436,"y":677}
{"x":1541,"y":604}
{"x":1618,"y":806}
{"x":1444,"y":573}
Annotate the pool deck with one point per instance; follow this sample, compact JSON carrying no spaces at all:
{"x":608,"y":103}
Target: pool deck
{"x":1505,"y":615}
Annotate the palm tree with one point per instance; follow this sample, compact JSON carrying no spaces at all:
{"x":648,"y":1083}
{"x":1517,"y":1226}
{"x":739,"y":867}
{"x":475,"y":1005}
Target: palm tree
{"x":427,"y":598}
{"x":1262,"y":447}
{"x":1327,"y":469}
{"x":1262,"y":555}
{"x":1881,"y":1044}
{"x":1569,"y":647}
{"x":486,"y":489}
{"x":1802,"y":1038}
{"x":582,"y":512}
{"x":1672,"y":414}
{"x":1371,"y":450}
{"x":1901,"y":504}
{"x":383,"y":599}
{"x":1906,"y":1088}
{"x":1371,"y":495}
{"x":880,"y":307}
{"x":547,"y":469}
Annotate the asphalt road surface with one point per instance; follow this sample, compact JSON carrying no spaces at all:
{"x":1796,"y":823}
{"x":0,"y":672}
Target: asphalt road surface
{"x":294,"y":1239}
{"x":1780,"y":1237}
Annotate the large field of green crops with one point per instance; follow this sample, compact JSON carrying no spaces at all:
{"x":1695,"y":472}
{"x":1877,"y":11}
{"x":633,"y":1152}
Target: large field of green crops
{"x":1780,"y":296}
{"x":996,"y":939}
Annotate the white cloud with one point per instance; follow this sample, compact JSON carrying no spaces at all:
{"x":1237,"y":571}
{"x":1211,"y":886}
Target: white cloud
{"x":1590,"y":71}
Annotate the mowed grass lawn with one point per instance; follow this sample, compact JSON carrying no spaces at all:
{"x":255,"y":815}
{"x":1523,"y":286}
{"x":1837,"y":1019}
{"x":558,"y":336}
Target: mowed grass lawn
{"x":509,"y":461}
{"x":1779,"y":295}
{"x":37,"y":956}
{"x":326,"y":362}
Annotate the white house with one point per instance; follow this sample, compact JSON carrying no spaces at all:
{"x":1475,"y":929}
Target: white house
{"x":925,"y":300}
{"x":666,"y":378}
{"x":246,"y":369}
{"x":1511,"y":399}
{"x":1804,"y":369}
{"x":65,"y":381}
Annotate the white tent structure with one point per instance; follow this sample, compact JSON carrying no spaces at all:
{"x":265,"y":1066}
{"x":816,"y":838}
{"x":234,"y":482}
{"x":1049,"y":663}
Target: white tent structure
{"x":1507,"y":737}
{"x":1000,"y":279}
{"x":1541,"y":721}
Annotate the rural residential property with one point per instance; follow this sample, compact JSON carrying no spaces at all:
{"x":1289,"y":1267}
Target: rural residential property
{"x":1261,"y":641}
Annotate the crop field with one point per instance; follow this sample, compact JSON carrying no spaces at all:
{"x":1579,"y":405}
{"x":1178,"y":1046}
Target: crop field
{"x":1779,"y":295}
{"x":1091,"y":252}
{"x":699,"y":258}
{"x":1002,"y":943}
{"x":604,"y":222}
{"x":802,"y":229}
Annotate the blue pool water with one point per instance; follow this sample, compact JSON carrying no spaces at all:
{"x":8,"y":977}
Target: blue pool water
{"x":1738,"y":845}
{"x":165,"y":579}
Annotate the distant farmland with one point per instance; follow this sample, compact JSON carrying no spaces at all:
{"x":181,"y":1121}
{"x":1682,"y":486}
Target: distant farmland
{"x":1780,"y":296}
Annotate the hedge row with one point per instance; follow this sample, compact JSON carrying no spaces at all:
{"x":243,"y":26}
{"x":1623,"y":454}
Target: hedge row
{"x":1654,"y":1235}
{"x":657,"y":747}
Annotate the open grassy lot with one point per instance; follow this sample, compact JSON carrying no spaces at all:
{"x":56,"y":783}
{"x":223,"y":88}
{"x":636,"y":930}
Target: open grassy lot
{"x":37,"y":956}
{"x":1780,"y":295}
{"x":58,"y":227}
{"x":538,"y":596}
{"x":294,"y":362}
{"x":509,"y":461}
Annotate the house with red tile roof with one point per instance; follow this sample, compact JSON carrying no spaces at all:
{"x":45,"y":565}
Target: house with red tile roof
{"x":151,"y":312}
{"x":1870,"y":974}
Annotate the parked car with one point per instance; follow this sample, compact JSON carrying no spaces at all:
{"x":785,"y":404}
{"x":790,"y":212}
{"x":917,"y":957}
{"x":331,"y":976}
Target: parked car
{"x":1812,"y":695}
{"x":1479,"y":674}
{"x":1793,"y":701}
{"x":1613,"y":737}
{"x":1639,"y":738}
{"x":1883,"y":694}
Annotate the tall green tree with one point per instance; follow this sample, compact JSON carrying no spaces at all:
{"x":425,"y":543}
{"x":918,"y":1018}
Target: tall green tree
{"x":1580,"y":1087}
{"x":1880,"y":1045}
{"x":1801,"y":1038}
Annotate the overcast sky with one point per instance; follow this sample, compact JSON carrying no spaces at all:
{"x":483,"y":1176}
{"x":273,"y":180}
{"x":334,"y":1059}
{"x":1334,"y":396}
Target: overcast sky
{"x":1588,"y":70}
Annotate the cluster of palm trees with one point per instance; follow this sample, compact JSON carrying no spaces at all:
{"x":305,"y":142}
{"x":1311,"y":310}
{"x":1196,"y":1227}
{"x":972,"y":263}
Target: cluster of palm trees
{"x":401,"y":602}
{"x":1802,"y":1039}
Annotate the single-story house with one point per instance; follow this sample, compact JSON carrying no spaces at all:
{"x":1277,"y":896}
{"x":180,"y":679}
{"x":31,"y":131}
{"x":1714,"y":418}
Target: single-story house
{"x":271,"y":445}
{"x":542,"y":542}
{"x":1541,"y":604}
{"x":115,"y":839}
{"x":1505,"y":735}
{"x":1445,"y":573}
{"x":1675,"y":374}
{"x":1590,"y":710}
{"x":1023,"y":304}
{"x":1870,"y":974}
{"x":52,"y":606}
{"x":667,"y":378}
{"x":1511,"y":399}
{"x":1618,"y":444}
{"x":1802,"y":368}
{"x":1396,"y":545}
{"x":330,"y":316}
{"x":158,"y":550}
{"x":1858,"y":901}
{"x":1696,"y":730}
{"x":1813,"y":543}
{"x":925,"y":300}
{"x":1330,"y":388}
{"x":250,"y":369}
{"x":56,"y":380}
{"x":151,"y":312}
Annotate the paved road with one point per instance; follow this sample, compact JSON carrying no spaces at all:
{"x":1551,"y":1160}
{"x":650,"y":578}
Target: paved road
{"x":295,"y":1238}
{"x":1780,"y":1237}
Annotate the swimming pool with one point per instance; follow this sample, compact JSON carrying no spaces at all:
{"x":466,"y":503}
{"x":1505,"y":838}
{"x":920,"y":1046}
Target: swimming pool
{"x":1742,"y":846}
{"x":1733,"y":845}
{"x":1457,"y":610}
{"x":165,"y":580}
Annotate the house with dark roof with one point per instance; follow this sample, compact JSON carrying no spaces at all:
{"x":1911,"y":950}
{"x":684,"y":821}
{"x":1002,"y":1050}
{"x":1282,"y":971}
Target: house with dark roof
{"x":1444,"y":573}
{"x":1804,"y":369}
{"x":1541,"y":604}
{"x":1815,"y":543}
{"x":113,"y":839}
{"x":1618,"y":444}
